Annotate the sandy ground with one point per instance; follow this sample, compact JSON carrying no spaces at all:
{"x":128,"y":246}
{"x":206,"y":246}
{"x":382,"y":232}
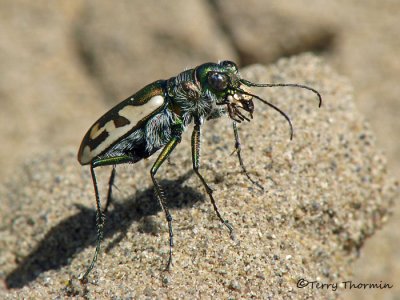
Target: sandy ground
{"x":326,"y":192}
{"x":63,"y":62}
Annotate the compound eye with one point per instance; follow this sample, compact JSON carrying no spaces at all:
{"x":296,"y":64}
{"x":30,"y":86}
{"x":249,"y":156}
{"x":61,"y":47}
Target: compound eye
{"x":218,"y":81}
{"x":229,"y":64}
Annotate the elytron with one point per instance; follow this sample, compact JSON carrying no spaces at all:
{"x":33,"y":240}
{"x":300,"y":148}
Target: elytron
{"x":155,"y":117}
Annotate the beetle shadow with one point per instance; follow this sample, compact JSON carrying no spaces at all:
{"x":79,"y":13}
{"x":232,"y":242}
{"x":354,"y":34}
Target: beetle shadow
{"x":64,"y":241}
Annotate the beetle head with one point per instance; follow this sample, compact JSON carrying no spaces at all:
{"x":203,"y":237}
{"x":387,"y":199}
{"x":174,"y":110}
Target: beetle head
{"x":228,"y":88}
{"x":223,"y":81}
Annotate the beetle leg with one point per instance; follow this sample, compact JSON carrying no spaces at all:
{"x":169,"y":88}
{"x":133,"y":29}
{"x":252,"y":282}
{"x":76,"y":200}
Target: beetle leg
{"x":110,"y":186}
{"x":159,"y":192}
{"x":99,"y":214}
{"x":196,"y":164}
{"x":238,"y":149}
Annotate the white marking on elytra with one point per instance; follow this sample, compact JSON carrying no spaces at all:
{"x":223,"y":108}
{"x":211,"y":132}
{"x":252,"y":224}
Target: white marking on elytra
{"x":133,"y":113}
{"x":96,"y":131}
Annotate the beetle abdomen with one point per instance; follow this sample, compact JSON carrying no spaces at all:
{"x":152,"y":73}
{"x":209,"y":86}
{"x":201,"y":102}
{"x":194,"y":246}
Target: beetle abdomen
{"x":121,"y":122}
{"x":146,"y":139}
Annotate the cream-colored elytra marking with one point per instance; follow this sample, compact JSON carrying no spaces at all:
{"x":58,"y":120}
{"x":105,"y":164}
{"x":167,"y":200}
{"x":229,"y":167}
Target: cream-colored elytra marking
{"x":94,"y":132}
{"x":133,"y":113}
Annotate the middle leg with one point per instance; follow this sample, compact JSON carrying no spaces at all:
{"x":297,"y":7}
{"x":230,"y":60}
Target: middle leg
{"x":159,"y":192}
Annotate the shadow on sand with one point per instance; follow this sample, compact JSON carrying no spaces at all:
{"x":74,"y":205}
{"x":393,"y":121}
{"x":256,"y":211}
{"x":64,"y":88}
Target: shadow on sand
{"x":74,"y":234}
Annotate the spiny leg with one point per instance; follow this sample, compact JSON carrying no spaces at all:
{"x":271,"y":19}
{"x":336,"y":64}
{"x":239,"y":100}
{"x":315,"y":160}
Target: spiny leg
{"x":238,"y":149}
{"x":99,"y":215}
{"x":99,"y":225}
{"x":110,"y":186}
{"x":196,"y":164}
{"x":159,"y":192}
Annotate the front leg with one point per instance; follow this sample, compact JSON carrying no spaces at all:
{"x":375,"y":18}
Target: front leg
{"x":238,"y":149}
{"x":196,"y":164}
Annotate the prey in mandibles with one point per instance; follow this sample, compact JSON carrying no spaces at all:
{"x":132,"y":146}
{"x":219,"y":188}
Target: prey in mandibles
{"x":154,"y":119}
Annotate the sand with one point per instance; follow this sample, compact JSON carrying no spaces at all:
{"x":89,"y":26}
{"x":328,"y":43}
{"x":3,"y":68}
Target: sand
{"x":326,"y":192}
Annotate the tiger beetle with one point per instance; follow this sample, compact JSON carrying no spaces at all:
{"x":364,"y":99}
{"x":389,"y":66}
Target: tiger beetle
{"x":155,"y":117}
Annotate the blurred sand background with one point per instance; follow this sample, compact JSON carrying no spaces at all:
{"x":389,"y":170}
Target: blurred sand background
{"x":64,"y":62}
